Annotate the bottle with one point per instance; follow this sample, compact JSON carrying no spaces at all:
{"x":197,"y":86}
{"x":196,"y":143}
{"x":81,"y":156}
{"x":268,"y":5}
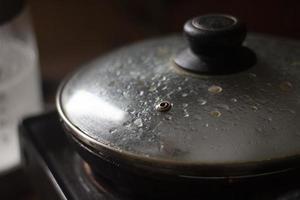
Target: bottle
{"x":20,"y":93}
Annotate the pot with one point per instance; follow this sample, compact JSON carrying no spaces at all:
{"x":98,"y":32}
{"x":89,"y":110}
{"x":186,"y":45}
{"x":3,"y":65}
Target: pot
{"x":212,"y":111}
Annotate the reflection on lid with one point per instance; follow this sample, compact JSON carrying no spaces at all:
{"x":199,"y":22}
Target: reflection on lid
{"x":83,"y":102}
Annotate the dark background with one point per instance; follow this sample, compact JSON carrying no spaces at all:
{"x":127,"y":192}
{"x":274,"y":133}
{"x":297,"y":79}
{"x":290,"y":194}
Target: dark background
{"x":71,"y":32}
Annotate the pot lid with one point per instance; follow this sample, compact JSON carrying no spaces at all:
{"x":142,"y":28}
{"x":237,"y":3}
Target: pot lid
{"x":139,"y":102}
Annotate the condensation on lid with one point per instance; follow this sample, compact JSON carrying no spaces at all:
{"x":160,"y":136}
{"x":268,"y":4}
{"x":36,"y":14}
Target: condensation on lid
{"x":246,"y":117}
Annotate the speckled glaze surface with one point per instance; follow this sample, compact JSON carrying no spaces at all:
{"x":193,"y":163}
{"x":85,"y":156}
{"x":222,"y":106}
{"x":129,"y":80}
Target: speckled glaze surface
{"x":247,"y":117}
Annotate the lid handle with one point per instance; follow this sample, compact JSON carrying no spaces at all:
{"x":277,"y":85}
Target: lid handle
{"x":215,"y":45}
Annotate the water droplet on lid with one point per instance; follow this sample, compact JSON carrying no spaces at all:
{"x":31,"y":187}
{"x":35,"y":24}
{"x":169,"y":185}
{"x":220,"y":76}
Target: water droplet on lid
{"x":127,"y":124}
{"x":130,"y":110}
{"x":138,"y":122}
{"x":186,"y":114}
{"x":126,"y":94}
{"x":206,"y":125}
{"x":255,"y":108}
{"x":140,"y":130}
{"x":252,"y":75}
{"x":202,"y":102}
{"x":119,"y":90}
{"x":118,"y":73}
{"x":164,"y":78}
{"x":215,"y":113}
{"x":152,"y":89}
{"x":169,"y":94}
{"x":113,"y":130}
{"x":270,"y":119}
{"x":179,"y":88}
{"x":234,"y":100}
{"x":168,"y":117}
{"x":157,"y":99}
{"x":185,"y":105}
{"x":162,"y":147}
{"x":215,"y":89}
{"x":286,"y":86}
{"x":164,"y":88}
{"x":141,"y":93}
{"x":184,"y":95}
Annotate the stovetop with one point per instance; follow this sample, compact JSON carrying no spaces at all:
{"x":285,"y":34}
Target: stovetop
{"x":56,"y":170}
{"x":59,"y":173}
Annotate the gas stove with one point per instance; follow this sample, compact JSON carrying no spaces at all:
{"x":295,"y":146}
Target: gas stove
{"x":58,"y":172}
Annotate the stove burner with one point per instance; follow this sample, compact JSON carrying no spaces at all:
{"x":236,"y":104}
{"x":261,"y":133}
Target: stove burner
{"x":101,"y":185}
{"x":90,"y":175}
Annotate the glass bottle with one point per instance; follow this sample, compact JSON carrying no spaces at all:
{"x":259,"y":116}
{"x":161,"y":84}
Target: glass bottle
{"x":20,"y":93}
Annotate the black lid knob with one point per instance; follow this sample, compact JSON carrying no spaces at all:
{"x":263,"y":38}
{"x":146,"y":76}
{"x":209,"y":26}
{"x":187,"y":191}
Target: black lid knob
{"x":214,"y":33}
{"x":215,"y":45}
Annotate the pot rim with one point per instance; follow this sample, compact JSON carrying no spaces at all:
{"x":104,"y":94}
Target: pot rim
{"x":183,"y":169}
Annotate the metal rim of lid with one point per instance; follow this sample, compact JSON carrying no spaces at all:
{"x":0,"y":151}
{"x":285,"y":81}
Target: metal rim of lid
{"x":184,"y":169}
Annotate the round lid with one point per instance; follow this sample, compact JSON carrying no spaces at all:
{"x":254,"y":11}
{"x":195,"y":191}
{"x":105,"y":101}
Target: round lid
{"x":140,"y":103}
